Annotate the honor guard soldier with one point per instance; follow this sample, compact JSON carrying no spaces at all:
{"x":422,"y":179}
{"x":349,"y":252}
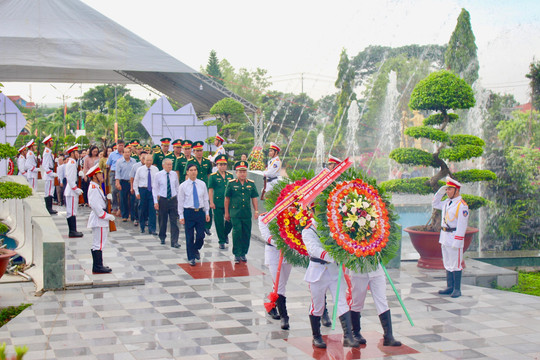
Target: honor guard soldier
{"x":332,"y":162}
{"x":273,"y":169}
{"x":21,"y":159}
{"x":217,"y":182}
{"x":271,"y":259}
{"x":322,"y":275}
{"x":31,"y":165}
{"x":98,"y":220}
{"x":240,"y":194}
{"x":376,"y":282}
{"x":72,"y":192}
{"x":48,"y":174}
{"x":454,"y":220}
{"x":204,"y":169}
{"x":220,"y":149}
{"x":180,"y":166}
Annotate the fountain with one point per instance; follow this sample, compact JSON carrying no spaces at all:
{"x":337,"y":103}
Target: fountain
{"x":353,"y":119}
{"x":320,"y":153}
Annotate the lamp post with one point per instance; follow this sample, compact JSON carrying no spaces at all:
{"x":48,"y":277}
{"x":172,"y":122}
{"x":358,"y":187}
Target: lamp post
{"x":64,"y":98}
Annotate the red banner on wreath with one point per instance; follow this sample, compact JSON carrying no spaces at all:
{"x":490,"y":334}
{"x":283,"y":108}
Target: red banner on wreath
{"x":294,"y":196}
{"x":310,"y":195}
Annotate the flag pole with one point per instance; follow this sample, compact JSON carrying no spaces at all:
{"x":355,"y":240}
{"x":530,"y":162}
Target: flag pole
{"x":395,"y":292}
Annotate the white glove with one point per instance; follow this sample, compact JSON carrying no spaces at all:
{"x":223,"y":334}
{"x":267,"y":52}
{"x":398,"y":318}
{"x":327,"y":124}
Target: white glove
{"x":109,"y":217}
{"x":81,"y":174}
{"x":53,"y":174}
{"x":78,"y":191}
{"x":109,"y":196}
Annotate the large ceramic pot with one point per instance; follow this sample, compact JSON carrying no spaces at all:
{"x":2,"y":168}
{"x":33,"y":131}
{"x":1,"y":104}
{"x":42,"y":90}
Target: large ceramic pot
{"x":5,"y":255}
{"x":427,"y":245}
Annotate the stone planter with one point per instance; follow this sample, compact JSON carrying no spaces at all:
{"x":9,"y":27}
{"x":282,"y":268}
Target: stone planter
{"x":427,"y":245}
{"x":5,"y":255}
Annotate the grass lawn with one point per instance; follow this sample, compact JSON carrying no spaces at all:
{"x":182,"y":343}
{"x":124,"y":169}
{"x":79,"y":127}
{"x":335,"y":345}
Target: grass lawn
{"x":528,"y":283}
{"x":10,"y":312}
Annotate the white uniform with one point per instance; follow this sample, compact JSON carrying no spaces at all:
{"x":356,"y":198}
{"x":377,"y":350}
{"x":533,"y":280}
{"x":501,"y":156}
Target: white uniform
{"x":271,"y":258}
{"x":96,"y":221}
{"x":322,"y":277}
{"x":220,"y":151}
{"x":31,"y":169}
{"x":21,"y":160}
{"x":71,"y":191}
{"x":272,"y":172}
{"x":377,"y":284}
{"x":47,"y":173}
{"x":455,"y":216}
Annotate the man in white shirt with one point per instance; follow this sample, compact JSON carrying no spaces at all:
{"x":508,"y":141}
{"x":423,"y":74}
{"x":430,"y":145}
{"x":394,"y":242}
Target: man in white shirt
{"x":273,"y":168}
{"x":194,"y":211}
{"x":71,"y":191}
{"x":21,"y":159}
{"x":165,"y":192}
{"x":142,"y":186}
{"x":61,"y":171}
{"x":31,"y":165}
{"x":133,"y":201}
{"x":48,"y":174}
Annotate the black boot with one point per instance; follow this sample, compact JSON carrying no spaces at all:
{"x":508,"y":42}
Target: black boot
{"x":355,"y":321}
{"x":449,"y":284}
{"x":348,"y":339}
{"x":318,"y":341}
{"x":273,"y":313}
{"x":72,"y":223}
{"x":386,"y":322}
{"x":282,"y":308}
{"x":48,"y":205}
{"x":325,"y":318}
{"x":97,"y":266}
{"x":457,"y":284}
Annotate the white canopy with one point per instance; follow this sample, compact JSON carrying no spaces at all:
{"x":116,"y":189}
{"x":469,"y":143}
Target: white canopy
{"x":68,"y":41}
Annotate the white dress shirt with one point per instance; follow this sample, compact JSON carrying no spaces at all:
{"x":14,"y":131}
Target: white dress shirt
{"x":185,"y":196}
{"x":159,"y":186}
{"x":61,"y":172}
{"x":141,"y":178}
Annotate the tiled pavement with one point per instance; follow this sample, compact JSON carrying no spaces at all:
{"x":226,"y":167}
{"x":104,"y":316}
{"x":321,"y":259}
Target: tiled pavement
{"x":160,"y":311}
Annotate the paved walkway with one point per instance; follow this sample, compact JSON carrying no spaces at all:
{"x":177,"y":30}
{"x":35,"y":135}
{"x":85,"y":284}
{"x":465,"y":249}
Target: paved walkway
{"x":152,"y":308}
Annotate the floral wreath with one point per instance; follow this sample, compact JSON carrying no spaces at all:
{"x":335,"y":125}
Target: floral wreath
{"x":356,"y":222}
{"x":287,"y":228}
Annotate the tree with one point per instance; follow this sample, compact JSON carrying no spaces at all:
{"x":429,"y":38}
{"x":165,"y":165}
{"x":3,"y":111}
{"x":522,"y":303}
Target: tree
{"x":460,"y":56}
{"x":534,"y":75}
{"x":101,"y":98}
{"x":225,"y":109}
{"x":440,"y":92}
{"x":248,"y":84}
{"x":212,"y":68}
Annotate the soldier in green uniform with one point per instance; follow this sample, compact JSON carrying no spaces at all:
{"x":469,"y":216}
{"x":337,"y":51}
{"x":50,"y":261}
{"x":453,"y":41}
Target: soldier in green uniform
{"x":180,"y":166}
{"x":238,"y":194}
{"x":164,"y":153}
{"x":217,"y":182}
{"x":136,"y":149}
{"x":204,"y":168}
{"x":178,"y":155}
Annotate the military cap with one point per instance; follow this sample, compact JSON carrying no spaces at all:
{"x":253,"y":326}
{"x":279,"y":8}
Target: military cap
{"x":241,"y":165}
{"x":221,"y":159}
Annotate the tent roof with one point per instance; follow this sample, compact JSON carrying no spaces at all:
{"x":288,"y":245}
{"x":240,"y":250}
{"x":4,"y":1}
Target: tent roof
{"x":68,"y":41}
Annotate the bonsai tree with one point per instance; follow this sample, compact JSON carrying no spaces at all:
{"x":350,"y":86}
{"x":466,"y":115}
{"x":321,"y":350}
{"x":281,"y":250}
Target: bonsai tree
{"x":440,"y":92}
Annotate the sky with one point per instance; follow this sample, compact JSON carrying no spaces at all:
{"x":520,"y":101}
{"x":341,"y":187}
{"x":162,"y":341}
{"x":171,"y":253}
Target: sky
{"x":290,"y":38}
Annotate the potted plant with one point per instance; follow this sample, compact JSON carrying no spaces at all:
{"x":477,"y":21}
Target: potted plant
{"x":441,"y":91}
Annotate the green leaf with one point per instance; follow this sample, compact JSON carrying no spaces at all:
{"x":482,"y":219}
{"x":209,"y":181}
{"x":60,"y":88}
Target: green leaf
{"x":427,"y":132}
{"x":7,"y":151}
{"x":412,"y":156}
{"x":438,"y":119}
{"x":474,"y":175}
{"x":418,"y":185}
{"x":461,"y":152}
{"x":461,"y":139}
{"x":474,"y":202}
{"x":12,"y":190}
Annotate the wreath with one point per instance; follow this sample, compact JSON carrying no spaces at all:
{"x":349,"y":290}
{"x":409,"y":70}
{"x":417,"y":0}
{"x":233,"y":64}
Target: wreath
{"x":286,"y":229}
{"x":356,"y":222}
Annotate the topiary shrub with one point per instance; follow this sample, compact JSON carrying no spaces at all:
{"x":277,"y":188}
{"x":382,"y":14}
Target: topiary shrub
{"x":441,"y":91}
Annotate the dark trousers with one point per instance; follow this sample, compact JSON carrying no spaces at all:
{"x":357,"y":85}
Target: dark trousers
{"x":114,"y":191}
{"x":208,"y":224}
{"x":168,"y":209}
{"x":194,"y":222}
{"x":84,"y":187}
{"x":147,"y":210}
{"x":124,"y":198}
{"x":223,"y":228}
{"x":241,"y":235}
{"x":134,"y":207}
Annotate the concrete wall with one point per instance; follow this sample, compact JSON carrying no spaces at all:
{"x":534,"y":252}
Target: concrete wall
{"x":38,"y":240}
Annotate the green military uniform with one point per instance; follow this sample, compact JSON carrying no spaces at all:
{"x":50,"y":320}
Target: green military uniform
{"x":219,"y":183}
{"x":135,"y":156}
{"x":159,"y":156}
{"x":240,"y":196}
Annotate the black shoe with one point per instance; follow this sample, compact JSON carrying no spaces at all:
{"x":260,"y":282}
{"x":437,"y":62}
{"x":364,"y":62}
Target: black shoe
{"x":237,"y":259}
{"x":192,"y":262}
{"x":386,"y":322}
{"x":355,"y":322}
{"x":449,"y":284}
{"x":318,"y":341}
{"x":457,"y":284}
{"x":207,"y":232}
{"x":226,"y":240}
{"x":97,"y":266}
{"x":197,"y":255}
{"x":243,"y":258}
{"x":274,"y":314}
{"x":282,"y":308}
{"x":222,"y":246}
{"x":348,"y":338}
{"x":153,"y":233}
{"x":162,"y":241}
{"x":325,"y":319}
{"x":142,"y":231}
{"x":176,"y":246}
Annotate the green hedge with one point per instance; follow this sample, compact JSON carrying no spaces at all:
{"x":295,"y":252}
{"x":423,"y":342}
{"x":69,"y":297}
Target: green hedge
{"x":474,"y":202}
{"x":419,"y":185}
{"x":456,"y":140}
{"x":461,"y":152}
{"x":12,"y":190}
{"x":412,"y":156}
{"x":7,"y":151}
{"x":427,"y":132}
{"x":473,"y":175}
